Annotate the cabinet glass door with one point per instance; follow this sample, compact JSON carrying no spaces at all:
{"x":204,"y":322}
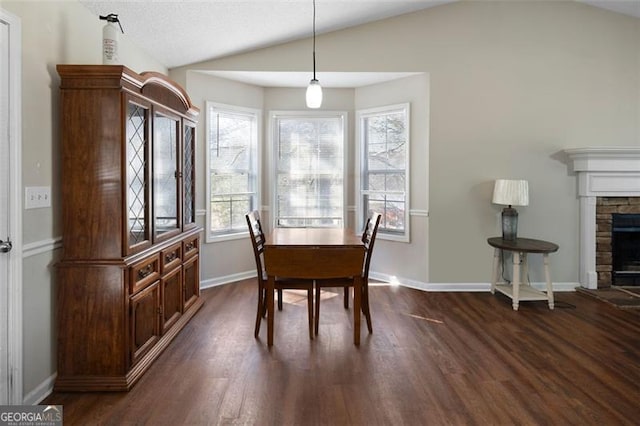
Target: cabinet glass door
{"x":188,"y":173}
{"x":137,"y":167}
{"x":165,"y":175}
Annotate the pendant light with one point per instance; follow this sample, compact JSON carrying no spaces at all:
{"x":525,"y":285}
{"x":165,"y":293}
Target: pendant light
{"x":314,"y":90}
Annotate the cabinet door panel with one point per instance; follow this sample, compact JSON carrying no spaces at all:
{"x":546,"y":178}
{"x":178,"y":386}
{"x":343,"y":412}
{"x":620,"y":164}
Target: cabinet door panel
{"x":191,"y":281}
{"x":137,"y":175}
{"x":171,"y":298}
{"x":166,"y":212}
{"x":188,"y":174}
{"x":145,"y":324}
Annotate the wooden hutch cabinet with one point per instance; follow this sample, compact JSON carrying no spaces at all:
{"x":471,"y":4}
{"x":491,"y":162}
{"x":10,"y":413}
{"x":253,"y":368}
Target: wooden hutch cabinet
{"x":129,"y":276}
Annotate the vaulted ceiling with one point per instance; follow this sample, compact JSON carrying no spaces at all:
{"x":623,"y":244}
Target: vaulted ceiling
{"x":182,"y":32}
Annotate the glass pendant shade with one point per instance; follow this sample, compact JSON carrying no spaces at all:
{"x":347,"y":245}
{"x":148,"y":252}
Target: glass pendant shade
{"x":314,"y":94}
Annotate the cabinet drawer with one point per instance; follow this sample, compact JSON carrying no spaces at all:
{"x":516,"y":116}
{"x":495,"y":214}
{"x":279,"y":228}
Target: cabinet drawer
{"x":191,"y":246}
{"x":171,"y":257}
{"x":144,"y":273}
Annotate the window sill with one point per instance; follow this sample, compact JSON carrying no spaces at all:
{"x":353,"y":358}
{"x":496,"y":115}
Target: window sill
{"x":226,"y":237}
{"x":391,"y":237}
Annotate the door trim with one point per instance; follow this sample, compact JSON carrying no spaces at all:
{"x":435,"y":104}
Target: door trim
{"x":14,"y":343}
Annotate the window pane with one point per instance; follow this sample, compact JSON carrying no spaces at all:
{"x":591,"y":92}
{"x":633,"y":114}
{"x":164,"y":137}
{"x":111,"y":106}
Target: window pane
{"x":228,"y":212}
{"x":230,"y":183}
{"x":233,"y":168}
{"x":391,"y":209}
{"x":386,"y":141}
{"x":230,"y":148}
{"x":385,"y":182}
{"x":384,"y":144}
{"x":309,"y":181}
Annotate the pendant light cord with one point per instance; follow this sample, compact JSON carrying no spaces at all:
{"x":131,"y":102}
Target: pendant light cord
{"x":314,"y":39}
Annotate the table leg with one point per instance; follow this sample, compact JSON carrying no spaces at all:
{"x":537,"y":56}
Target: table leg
{"x":357,"y":300}
{"x":547,"y":275}
{"x":515,"y":283}
{"x":270,"y":309}
{"x":496,"y":269}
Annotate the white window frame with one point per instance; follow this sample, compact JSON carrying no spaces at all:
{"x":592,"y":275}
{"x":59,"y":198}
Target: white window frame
{"x":273,"y":116}
{"x":256,"y":161}
{"x":361,"y":161}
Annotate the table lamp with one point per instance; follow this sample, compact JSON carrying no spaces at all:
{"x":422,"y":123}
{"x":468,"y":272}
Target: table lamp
{"x":510,"y":193}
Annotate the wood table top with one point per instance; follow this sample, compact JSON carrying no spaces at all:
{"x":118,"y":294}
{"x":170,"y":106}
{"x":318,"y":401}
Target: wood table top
{"x":310,"y":237}
{"x":525,"y":245}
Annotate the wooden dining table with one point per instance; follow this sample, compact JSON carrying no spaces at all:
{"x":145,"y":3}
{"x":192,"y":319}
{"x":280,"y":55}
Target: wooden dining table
{"x":314,"y":253}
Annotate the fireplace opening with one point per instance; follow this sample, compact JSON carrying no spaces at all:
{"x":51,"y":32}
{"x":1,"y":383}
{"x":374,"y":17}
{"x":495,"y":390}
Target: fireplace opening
{"x":625,"y":249}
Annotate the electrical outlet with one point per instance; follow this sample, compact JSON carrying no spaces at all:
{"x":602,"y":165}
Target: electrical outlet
{"x":37,"y":197}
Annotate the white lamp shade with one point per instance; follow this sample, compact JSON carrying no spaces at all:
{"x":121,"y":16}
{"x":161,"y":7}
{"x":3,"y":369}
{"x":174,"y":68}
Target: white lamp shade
{"x":314,"y":94}
{"x":511,"y":192}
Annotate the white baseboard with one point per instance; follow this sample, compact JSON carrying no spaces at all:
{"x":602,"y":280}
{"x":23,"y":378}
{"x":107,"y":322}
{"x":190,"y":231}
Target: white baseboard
{"x":43,"y":390}
{"x":404,"y":282}
{"x":214,"y":282}
{"x":458,"y":287}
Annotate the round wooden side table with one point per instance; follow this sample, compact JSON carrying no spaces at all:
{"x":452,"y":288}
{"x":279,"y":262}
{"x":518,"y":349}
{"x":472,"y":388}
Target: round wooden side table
{"x":521,"y":247}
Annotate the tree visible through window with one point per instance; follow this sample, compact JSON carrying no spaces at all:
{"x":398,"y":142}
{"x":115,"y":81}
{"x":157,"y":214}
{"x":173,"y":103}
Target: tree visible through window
{"x":309,"y":168}
{"x":232,"y":167}
{"x":384,"y":164}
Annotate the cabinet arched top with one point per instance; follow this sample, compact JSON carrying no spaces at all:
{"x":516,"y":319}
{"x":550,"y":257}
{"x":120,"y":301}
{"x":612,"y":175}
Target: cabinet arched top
{"x":150,"y":84}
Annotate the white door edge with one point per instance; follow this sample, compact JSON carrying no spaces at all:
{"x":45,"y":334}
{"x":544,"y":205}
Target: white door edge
{"x":14,"y":299}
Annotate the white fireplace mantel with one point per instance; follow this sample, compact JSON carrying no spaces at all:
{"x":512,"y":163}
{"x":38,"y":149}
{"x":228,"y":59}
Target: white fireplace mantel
{"x":601,"y":172}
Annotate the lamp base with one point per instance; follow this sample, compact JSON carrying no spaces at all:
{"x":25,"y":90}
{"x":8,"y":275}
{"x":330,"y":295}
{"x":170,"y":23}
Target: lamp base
{"x":509,"y":224}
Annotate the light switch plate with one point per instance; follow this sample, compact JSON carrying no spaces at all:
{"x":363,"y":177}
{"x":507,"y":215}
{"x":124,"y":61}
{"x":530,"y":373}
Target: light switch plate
{"x":37,"y":197}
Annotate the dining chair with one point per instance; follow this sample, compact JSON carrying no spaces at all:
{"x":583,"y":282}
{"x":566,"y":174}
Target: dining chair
{"x":257,"y":241}
{"x":368,"y":239}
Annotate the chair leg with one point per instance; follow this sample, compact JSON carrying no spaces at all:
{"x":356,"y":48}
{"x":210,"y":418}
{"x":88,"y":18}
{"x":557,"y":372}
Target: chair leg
{"x":264,"y":303}
{"x":346,"y":297}
{"x":310,"y":311}
{"x":317,"y":315}
{"x":260,"y":312}
{"x":279,"y":299}
{"x":365,"y":307}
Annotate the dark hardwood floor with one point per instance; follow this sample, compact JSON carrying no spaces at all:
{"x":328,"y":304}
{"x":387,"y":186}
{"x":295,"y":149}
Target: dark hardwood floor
{"x":433,"y":358}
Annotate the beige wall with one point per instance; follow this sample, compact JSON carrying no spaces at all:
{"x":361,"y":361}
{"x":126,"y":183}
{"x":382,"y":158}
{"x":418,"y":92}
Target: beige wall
{"x":53,"y":32}
{"x":512,"y":84}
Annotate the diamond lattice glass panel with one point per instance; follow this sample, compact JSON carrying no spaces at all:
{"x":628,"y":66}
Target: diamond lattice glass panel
{"x":188,"y":173}
{"x":136,"y":172}
{"x":165,"y":189}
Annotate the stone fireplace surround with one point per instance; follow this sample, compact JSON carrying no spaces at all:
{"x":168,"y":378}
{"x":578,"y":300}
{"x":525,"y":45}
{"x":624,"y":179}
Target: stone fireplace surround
{"x":606,"y":207}
{"x":606,"y":176}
